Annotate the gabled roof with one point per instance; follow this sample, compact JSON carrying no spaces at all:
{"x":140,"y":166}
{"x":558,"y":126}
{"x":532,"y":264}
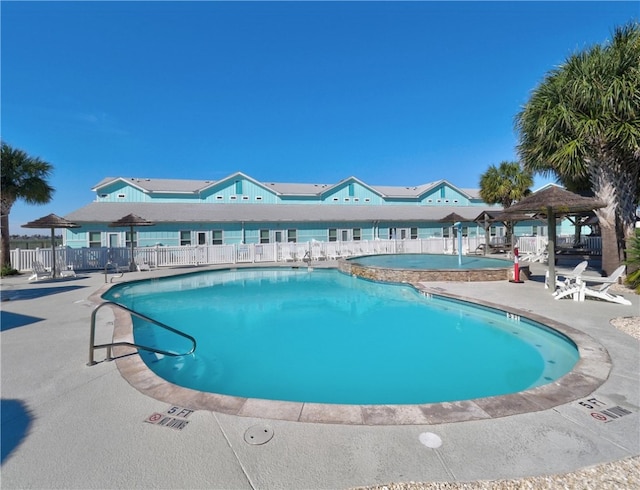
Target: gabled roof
{"x":149,"y":186}
{"x":106,"y":212}
{"x":287,"y":189}
{"x":232,"y":177}
{"x":349,"y":180}
{"x":182,"y":186}
{"x":420,"y":190}
{"x":399,"y":191}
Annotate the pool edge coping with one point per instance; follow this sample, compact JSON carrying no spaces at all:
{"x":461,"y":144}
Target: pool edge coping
{"x":590,"y":372}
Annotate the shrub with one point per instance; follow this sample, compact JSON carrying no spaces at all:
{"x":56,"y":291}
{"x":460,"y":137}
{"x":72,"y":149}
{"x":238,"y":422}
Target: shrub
{"x":633,"y":260}
{"x":7,"y":270}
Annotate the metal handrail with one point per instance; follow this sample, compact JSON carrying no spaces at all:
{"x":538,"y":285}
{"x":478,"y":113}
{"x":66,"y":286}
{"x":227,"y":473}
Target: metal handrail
{"x":92,"y":336}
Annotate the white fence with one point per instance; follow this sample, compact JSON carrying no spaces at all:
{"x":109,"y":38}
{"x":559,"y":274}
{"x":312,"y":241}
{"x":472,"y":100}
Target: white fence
{"x":162,"y":256}
{"x":538,"y":244}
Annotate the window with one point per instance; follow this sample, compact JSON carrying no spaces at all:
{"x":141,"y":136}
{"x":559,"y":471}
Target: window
{"x":344,"y":235}
{"x":128,"y":239}
{"x":333,"y":235}
{"x":216,"y":237}
{"x":258,"y":198}
{"x":233,"y":198}
{"x":445,"y":232}
{"x":356,"y":199}
{"x":429,"y":200}
{"x":414,"y":233}
{"x":238,"y":187}
{"x":292,"y":236}
{"x":346,"y":199}
{"x":245,"y":198}
{"x":264,"y":236}
{"x":465,"y":231}
{"x":219,"y":198}
{"x":442,"y":190}
{"x":95,"y":239}
{"x":335,"y":198}
{"x":357,"y":234}
{"x":366,"y":199}
{"x":185,"y":238}
{"x":351,"y":190}
{"x":121,"y":196}
{"x":104,"y":195}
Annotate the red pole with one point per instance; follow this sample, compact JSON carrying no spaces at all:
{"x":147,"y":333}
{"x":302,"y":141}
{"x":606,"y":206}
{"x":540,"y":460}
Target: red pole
{"x":516,"y":266}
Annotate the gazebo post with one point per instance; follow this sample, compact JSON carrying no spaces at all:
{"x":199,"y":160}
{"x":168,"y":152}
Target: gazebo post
{"x":551,"y":247}
{"x":53,"y":253}
{"x":487,"y":235}
{"x":132,"y":261}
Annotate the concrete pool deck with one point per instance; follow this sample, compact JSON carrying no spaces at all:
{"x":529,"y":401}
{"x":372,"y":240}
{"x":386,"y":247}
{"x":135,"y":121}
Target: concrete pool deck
{"x":67,"y":425}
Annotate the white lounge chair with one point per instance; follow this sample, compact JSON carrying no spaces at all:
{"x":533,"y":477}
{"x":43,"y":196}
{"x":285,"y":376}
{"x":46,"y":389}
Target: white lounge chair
{"x":579,"y":289}
{"x":142,"y":264}
{"x":569,"y":277}
{"x":39,"y":272}
{"x":535,"y":257}
{"x":68,"y":272}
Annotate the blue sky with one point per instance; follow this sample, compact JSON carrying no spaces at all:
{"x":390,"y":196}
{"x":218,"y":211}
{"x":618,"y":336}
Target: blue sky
{"x":394,"y":93}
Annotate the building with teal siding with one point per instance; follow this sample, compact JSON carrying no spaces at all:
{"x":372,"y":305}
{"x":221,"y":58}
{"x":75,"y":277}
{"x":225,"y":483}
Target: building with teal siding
{"x":241,"y":210}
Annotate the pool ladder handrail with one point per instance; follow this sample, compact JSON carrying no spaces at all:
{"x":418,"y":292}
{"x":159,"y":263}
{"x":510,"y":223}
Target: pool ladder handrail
{"x":92,"y":336}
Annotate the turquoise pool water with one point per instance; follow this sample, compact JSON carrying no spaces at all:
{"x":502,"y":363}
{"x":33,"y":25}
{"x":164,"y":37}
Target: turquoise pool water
{"x":430,"y":261}
{"x":323,"y":336}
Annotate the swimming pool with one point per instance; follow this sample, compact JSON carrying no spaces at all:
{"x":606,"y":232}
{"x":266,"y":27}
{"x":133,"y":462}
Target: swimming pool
{"x":324,"y":337}
{"x":430,"y":261}
{"x":416,"y":268}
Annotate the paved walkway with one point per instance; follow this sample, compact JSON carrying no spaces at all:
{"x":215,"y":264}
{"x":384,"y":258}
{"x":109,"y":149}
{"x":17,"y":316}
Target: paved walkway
{"x":66,"y":425}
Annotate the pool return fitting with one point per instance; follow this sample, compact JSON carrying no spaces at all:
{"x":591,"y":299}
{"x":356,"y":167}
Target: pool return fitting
{"x":92,"y":336}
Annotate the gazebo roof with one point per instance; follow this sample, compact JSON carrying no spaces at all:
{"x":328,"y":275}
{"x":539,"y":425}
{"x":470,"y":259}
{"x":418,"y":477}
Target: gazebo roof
{"x":51,"y":221}
{"x":452,"y":218}
{"x":131,"y":220}
{"x":560,"y":200}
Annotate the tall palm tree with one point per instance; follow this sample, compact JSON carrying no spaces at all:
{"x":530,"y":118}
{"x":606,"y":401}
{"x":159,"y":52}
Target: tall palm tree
{"x":504,"y":185}
{"x":581,"y":123}
{"x":23,"y":177}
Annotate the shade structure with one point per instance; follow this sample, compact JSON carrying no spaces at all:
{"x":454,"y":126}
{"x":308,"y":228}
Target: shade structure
{"x":453,"y":218}
{"x":552,"y":202}
{"x":131,"y":221}
{"x":51,"y":221}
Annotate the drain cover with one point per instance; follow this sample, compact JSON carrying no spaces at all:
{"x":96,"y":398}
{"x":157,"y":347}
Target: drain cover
{"x":430,"y":439}
{"x":258,"y":434}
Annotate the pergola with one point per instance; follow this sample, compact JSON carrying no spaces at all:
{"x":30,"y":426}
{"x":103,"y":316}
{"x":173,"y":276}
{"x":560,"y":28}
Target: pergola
{"x":131,"y":221}
{"x":51,"y":221}
{"x":553,"y":202}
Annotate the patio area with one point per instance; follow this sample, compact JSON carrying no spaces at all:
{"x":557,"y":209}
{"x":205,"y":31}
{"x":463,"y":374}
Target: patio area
{"x":67,"y":425}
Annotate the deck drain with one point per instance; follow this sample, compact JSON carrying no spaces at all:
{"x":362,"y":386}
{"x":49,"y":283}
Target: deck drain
{"x":258,"y":434}
{"x":430,"y":439}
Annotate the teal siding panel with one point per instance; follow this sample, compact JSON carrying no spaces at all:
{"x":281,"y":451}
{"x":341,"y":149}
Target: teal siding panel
{"x":351,"y":193}
{"x":445,"y":195}
{"x":121,"y":192}
{"x":227,"y":192}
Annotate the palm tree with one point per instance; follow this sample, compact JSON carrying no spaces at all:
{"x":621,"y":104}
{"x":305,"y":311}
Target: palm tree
{"x":581,"y":124}
{"x":23,"y":177}
{"x":505,"y":185}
